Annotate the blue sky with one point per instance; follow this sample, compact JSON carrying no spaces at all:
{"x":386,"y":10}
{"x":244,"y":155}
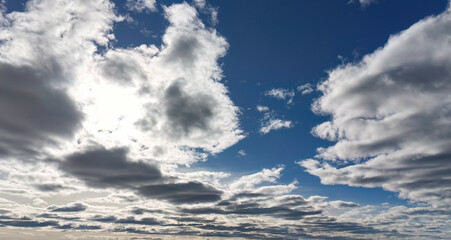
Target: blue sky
{"x":250,"y":119}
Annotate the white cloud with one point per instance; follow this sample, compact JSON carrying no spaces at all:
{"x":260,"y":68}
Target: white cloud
{"x":281,"y":94}
{"x":249,"y":181}
{"x":262,"y":108}
{"x":242,"y":152}
{"x":391,"y":116}
{"x":363,"y":3}
{"x":141,"y":5}
{"x":199,"y":3}
{"x":275,"y":124}
{"x":305,"y":89}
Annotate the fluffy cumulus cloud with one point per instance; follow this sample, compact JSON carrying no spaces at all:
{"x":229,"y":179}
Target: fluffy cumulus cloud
{"x":391,"y":117}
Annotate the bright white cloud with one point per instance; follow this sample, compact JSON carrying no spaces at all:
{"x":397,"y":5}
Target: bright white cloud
{"x":275,"y":124}
{"x":249,"y":181}
{"x":391,"y":116}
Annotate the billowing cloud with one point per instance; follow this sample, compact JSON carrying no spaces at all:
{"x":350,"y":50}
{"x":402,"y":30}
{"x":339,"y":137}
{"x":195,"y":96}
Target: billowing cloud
{"x":391,"y":116}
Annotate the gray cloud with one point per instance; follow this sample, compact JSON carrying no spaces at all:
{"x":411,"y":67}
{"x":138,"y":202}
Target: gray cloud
{"x":290,"y":208}
{"x":188,"y":113}
{"x":190,"y":192}
{"x":142,"y":221}
{"x":50,"y":187}
{"x":183,"y":51}
{"x":100,"y":167}
{"x":28,"y":223}
{"x":33,"y":111}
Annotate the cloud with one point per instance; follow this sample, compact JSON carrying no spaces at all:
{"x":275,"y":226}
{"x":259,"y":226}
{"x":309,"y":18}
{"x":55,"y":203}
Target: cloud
{"x":141,"y":5}
{"x":242,"y":152}
{"x":50,"y":187}
{"x":76,"y":207}
{"x":28,"y":223}
{"x":282,"y":94}
{"x":36,"y":106}
{"x":275,"y":124}
{"x":391,"y":117}
{"x":363,"y":3}
{"x":191,"y":192}
{"x":305,"y":89}
{"x":33,"y":109}
{"x":249,"y":181}
{"x":101,"y":167}
{"x":262,"y":108}
{"x":172,"y":101}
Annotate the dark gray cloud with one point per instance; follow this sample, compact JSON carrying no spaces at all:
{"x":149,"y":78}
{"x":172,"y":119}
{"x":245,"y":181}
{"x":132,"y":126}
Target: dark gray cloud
{"x":100,"y":218}
{"x":49,"y":187}
{"x":33,"y":111}
{"x":290,"y":208}
{"x":55,"y":216}
{"x":101,"y":167}
{"x":142,"y":221}
{"x":190,"y":192}
{"x":76,"y":207}
{"x":183,"y":51}
{"x":27,"y":223}
{"x":188,"y":112}
{"x":78,"y":227}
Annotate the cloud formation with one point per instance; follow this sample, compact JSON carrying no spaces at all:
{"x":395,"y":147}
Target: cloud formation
{"x":391,"y":117}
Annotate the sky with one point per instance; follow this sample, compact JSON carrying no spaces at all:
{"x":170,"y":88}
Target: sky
{"x":221,"y":119}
